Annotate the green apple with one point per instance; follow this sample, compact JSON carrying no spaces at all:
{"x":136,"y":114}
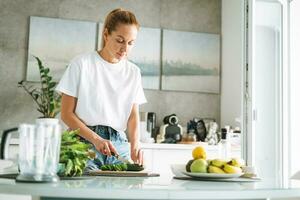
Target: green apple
{"x":188,"y":166}
{"x":199,"y":166}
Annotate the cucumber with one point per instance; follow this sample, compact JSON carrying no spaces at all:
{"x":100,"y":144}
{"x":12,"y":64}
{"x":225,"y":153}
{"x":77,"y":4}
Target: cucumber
{"x":122,"y":167}
{"x":134,"y":167}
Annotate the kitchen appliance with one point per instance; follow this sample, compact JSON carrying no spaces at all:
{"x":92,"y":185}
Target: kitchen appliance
{"x":5,"y":143}
{"x":39,"y":151}
{"x":146,"y":124}
{"x":151,"y":123}
{"x":171,"y":131}
{"x":198,"y":126}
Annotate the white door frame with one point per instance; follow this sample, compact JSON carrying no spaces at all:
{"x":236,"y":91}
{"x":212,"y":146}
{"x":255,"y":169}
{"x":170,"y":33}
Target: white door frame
{"x":248,"y":141}
{"x":249,"y":110}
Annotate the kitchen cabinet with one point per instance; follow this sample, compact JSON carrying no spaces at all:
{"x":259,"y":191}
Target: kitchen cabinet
{"x":159,"y":157}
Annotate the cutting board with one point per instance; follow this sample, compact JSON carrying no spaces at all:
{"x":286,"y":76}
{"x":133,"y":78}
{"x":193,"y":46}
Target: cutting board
{"x":122,"y":173}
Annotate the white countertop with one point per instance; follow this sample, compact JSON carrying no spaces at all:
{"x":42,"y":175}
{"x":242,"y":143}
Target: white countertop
{"x":166,"y":146}
{"x":150,"y":188}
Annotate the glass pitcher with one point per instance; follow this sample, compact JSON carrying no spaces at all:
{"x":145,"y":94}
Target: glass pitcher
{"x":39,"y":151}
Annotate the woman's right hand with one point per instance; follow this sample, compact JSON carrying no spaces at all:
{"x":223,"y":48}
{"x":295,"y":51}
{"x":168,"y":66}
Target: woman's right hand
{"x":105,"y":147}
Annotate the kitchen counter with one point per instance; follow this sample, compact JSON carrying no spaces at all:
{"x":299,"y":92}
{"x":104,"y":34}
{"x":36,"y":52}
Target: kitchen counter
{"x":151,"y":188}
{"x":165,"y":146}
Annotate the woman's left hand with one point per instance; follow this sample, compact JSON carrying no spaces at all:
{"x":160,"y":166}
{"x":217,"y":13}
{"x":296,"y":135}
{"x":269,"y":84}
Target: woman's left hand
{"x":137,"y":156}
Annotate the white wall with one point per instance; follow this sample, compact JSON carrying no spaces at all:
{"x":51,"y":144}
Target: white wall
{"x":17,"y":107}
{"x":295,"y":82}
{"x":232,"y":61}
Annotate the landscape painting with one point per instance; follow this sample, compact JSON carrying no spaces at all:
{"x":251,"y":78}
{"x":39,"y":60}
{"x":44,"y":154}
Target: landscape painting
{"x":56,"y":42}
{"x":191,"y":61}
{"x":145,"y":54}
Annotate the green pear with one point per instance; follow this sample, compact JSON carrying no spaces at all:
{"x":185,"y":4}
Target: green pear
{"x":199,"y":166}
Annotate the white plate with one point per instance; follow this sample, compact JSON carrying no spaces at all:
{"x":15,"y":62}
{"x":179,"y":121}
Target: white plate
{"x":211,"y":175}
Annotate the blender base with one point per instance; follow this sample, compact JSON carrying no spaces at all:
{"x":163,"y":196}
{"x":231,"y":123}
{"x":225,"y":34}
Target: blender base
{"x":37,"y":178}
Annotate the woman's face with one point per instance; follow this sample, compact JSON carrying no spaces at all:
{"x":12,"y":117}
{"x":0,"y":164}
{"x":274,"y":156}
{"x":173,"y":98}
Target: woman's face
{"x":120,"y":42}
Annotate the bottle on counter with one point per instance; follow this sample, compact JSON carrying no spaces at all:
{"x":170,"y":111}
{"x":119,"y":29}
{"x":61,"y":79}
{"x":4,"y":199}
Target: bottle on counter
{"x":224,"y":145}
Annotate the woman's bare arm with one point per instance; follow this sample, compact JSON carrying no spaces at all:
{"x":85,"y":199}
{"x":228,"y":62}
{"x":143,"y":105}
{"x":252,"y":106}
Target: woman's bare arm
{"x":133,"y":134}
{"x":68,"y":106}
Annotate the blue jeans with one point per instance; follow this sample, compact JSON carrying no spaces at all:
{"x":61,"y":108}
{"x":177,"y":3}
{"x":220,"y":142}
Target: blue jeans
{"x":118,"y":139}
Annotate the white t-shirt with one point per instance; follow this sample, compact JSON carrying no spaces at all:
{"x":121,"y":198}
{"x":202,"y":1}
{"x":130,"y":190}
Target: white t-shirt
{"x":105,"y":92}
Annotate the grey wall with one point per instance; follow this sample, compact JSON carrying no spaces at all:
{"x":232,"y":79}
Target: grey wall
{"x":186,"y":15}
{"x":232,"y":62}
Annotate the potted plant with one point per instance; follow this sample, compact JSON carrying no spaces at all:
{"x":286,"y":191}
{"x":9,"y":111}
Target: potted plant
{"x":46,"y":98}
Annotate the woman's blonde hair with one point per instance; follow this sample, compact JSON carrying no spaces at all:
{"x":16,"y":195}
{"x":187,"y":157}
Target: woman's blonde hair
{"x":116,"y":17}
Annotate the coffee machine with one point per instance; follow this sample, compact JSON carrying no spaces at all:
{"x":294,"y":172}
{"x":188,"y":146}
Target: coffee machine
{"x":171,"y":131}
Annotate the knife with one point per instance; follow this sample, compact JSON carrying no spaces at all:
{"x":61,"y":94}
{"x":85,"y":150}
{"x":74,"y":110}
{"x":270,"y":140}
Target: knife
{"x":120,"y":158}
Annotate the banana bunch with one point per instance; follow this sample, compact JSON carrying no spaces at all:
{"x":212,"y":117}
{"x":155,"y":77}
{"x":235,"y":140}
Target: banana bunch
{"x":219,"y":166}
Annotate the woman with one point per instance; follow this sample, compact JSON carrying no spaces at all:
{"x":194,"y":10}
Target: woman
{"x":102,"y":90}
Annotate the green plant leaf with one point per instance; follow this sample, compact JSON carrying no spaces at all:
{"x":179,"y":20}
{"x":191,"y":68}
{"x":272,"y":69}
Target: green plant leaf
{"x":51,"y":107}
{"x":52,"y":84}
{"x":75,"y":151}
{"x":35,"y":96}
{"x":46,"y":71}
{"x":46,"y":96}
{"x":69,"y":167}
{"x":39,"y":62}
{"x":51,"y":93}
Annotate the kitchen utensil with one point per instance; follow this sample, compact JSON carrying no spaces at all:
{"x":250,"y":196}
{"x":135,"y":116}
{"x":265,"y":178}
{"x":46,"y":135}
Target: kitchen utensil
{"x":120,"y":158}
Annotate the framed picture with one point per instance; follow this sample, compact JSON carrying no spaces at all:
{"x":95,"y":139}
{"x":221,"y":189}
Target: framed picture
{"x":56,"y":42}
{"x":145,"y":54}
{"x":191,"y":61}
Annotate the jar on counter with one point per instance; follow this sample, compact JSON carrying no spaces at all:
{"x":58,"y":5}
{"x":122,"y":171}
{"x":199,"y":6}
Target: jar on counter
{"x":192,"y":136}
{"x":185,"y":137}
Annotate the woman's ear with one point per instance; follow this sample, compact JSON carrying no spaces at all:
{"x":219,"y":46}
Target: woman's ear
{"x":105,"y":34}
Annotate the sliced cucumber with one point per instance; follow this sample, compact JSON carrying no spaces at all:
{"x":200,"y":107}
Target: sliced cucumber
{"x":122,"y":167}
